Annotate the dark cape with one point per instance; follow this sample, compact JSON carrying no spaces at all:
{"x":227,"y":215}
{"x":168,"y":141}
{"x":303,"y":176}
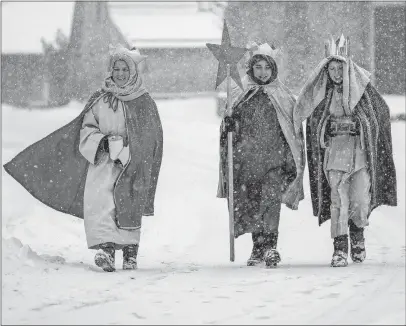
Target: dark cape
{"x":263,"y":163}
{"x":54,"y":171}
{"x":373,"y":113}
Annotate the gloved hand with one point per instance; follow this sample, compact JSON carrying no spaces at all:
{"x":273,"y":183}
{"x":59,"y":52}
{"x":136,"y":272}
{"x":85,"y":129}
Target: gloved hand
{"x":230,"y":124}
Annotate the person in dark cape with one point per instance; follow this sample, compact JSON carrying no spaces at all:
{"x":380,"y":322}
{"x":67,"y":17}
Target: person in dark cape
{"x":104,"y":165}
{"x":349,"y":149}
{"x":268,"y":159}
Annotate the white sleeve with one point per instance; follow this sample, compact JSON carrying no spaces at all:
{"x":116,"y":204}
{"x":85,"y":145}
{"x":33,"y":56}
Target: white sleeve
{"x":90,"y":137}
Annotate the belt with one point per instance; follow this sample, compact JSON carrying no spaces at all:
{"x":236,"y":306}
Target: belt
{"x":343,"y":127}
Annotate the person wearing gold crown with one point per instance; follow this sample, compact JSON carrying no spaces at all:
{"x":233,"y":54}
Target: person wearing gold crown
{"x":268,"y":157}
{"x":349,"y":148}
{"x":103,"y":166}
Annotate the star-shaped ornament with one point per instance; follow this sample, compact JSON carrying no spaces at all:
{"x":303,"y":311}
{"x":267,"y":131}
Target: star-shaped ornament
{"x":226,"y":54}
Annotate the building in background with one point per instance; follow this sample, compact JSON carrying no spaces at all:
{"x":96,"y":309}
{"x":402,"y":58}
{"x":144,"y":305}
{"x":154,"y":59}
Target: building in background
{"x":50,"y":59}
{"x":173,"y":35}
{"x":25,"y":29}
{"x":53,"y":52}
{"x":376,"y":30}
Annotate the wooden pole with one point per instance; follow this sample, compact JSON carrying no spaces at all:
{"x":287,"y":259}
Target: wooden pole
{"x":230,"y":171}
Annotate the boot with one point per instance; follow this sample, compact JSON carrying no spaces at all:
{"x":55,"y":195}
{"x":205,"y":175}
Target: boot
{"x":357,"y":241}
{"x":271,"y":256}
{"x":105,"y":257}
{"x":340,"y":254}
{"x":130,"y":256}
{"x":258,"y":249}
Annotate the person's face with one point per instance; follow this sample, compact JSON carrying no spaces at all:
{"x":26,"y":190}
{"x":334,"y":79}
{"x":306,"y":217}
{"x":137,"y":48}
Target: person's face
{"x":121,"y":73}
{"x":262,"y":70}
{"x":335,"y":71}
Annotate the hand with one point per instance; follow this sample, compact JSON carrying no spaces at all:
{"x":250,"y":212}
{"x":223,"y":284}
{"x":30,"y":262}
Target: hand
{"x":114,"y":138}
{"x":229,"y":124}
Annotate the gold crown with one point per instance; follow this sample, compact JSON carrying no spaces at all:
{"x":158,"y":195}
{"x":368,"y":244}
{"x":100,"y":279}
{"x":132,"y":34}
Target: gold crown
{"x":264,"y":49}
{"x":339,"y":47}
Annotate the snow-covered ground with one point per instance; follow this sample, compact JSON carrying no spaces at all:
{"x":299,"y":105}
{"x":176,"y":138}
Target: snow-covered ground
{"x":184,"y":275}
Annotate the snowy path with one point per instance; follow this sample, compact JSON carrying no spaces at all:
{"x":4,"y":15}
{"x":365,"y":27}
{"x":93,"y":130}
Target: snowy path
{"x":184,"y":275}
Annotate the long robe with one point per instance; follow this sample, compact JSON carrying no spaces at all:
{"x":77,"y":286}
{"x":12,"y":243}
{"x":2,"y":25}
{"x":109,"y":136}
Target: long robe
{"x":268,"y":157}
{"x":362,"y":101}
{"x":99,"y":207}
{"x":54,"y":171}
{"x":373,"y":113}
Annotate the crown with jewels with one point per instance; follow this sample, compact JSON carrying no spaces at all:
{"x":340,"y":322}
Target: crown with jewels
{"x":340,"y":47}
{"x":264,"y":49}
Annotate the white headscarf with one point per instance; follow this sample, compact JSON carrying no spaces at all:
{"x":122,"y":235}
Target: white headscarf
{"x":134,"y":87}
{"x":355,"y":80}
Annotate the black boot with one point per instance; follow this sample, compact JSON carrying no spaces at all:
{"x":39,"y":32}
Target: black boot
{"x":271,"y":257}
{"x":258,"y":249}
{"x":130,"y":256}
{"x":357,"y":241}
{"x":105,"y":257}
{"x":340,"y":254}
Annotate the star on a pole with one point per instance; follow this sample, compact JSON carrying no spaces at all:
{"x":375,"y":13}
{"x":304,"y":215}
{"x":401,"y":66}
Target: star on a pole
{"x":226,"y":54}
